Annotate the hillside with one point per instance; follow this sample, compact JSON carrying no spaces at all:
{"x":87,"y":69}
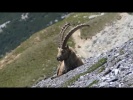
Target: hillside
{"x":108,"y":64}
{"x":17,"y":27}
{"x":35,"y":58}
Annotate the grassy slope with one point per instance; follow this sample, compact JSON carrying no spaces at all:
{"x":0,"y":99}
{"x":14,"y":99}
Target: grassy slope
{"x":18,"y":30}
{"x":38,"y":55}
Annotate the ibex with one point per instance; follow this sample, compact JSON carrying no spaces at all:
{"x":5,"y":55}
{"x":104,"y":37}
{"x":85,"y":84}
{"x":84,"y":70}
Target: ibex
{"x":66,"y":55}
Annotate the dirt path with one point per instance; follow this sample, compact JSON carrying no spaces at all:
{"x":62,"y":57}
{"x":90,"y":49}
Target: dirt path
{"x":79,"y":43}
{"x":112,"y":36}
{"x":8,"y":59}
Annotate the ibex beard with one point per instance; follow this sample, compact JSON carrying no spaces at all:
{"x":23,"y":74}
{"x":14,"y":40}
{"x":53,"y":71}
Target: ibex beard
{"x":68,"y":60}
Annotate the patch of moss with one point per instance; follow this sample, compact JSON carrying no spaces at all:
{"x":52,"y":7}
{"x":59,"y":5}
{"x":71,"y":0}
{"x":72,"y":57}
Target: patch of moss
{"x":96,"y":65}
{"x":131,"y":39}
{"x":92,"y":68}
{"x":94,"y":82}
{"x":118,"y":60}
{"x":130,"y":85}
{"x":101,"y":69}
{"x":69,"y":82}
{"x":121,"y":52}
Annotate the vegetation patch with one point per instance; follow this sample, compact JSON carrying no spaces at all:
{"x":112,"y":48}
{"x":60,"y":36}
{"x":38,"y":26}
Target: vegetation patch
{"x":33,"y":64}
{"x":97,"y":65}
{"x":121,"y":52}
{"x":98,"y":23}
{"x":94,"y":82}
{"x":92,"y":68}
{"x":101,"y":69}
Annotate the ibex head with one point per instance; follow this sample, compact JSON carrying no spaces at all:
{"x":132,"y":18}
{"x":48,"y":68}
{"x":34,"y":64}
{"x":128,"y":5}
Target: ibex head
{"x":63,"y":49}
{"x":63,"y":53}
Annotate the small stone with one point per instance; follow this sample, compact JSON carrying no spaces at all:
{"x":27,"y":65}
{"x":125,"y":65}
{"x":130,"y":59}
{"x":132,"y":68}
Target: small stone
{"x":116,"y":54}
{"x":124,"y":68}
{"x":87,"y":74}
{"x":128,"y":73}
{"x":103,"y":84}
{"x":107,"y":72}
{"x":118,"y":66}
{"x":53,"y":84}
{"x":120,"y":85}
{"x":116,"y":71}
{"x":113,"y":80}
{"x":111,"y":83}
{"x":107,"y":76}
{"x":81,"y":77}
{"x":103,"y":78}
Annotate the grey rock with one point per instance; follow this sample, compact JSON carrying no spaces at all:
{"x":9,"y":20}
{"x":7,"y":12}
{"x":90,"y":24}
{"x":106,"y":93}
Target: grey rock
{"x":103,"y":84}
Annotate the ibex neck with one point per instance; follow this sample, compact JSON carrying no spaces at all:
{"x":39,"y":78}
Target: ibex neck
{"x":71,"y":59}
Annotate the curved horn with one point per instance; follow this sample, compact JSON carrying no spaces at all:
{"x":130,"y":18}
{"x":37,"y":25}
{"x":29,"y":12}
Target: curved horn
{"x":71,"y":32}
{"x":65,"y":28}
{"x":62,"y":33}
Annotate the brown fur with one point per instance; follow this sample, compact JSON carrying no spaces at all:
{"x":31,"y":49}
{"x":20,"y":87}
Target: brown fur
{"x":66,"y":55}
{"x":71,"y":61}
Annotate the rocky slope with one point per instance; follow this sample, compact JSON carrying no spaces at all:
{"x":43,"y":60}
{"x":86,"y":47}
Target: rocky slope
{"x":113,"y":35}
{"x":109,"y":59}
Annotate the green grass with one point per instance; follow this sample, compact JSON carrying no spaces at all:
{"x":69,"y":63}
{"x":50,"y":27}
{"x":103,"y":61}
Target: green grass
{"x":101,"y":69}
{"x":31,"y":65}
{"x":121,"y":52}
{"x":97,"y":65}
{"x":97,"y":24}
{"x":69,"y":82}
{"x":94,"y":82}
{"x":91,"y":69}
{"x":38,"y":57}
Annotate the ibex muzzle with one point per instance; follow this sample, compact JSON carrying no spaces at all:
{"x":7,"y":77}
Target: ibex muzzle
{"x":63,"y":53}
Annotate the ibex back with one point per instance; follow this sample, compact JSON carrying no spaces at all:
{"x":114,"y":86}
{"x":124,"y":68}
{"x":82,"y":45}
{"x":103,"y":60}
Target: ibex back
{"x":66,"y":55}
